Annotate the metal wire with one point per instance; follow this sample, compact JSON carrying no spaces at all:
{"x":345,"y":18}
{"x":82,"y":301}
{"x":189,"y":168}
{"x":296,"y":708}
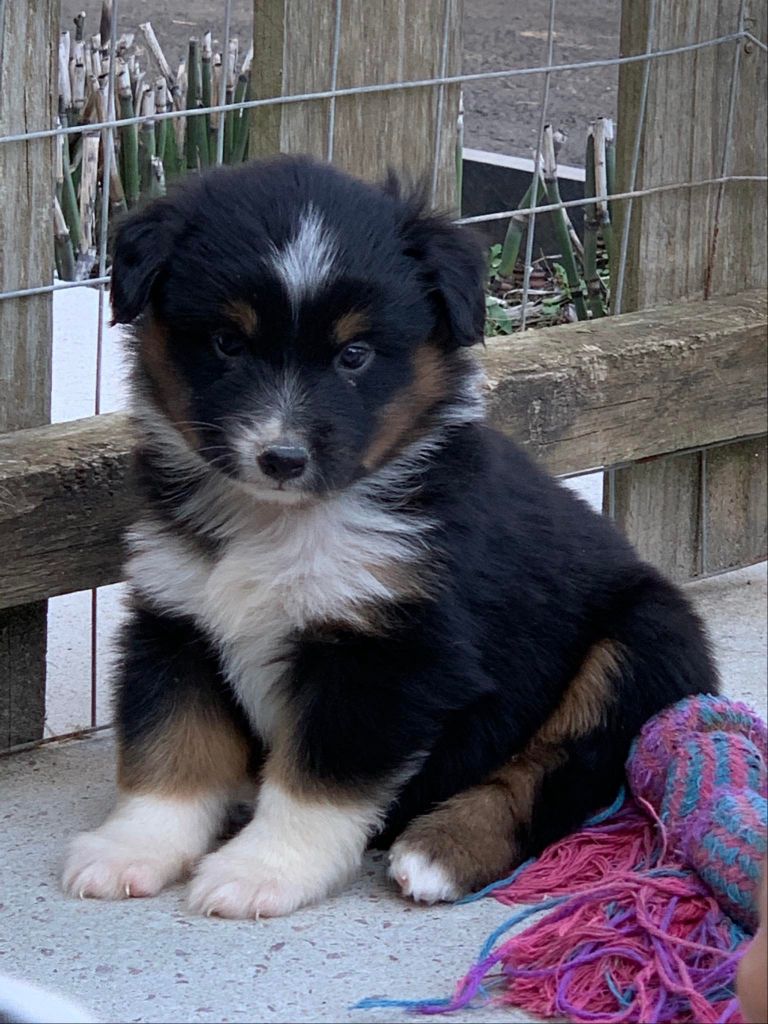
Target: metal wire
{"x":223,"y":84}
{"x":334,"y":79}
{"x":618,"y":294}
{"x":531,"y":227}
{"x":364,"y":90}
{"x":440,"y":103}
{"x":727,"y":154}
{"x":109,"y":144}
{"x":481,"y":218}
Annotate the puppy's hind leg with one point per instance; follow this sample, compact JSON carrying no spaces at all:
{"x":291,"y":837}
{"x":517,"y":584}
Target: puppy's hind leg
{"x":481,"y":834}
{"x":658,"y":653}
{"x":181,"y":753}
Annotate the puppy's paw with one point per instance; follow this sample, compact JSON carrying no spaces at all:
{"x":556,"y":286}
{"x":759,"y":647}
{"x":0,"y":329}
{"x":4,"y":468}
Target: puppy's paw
{"x":420,"y":876}
{"x":231,"y":885}
{"x":101,"y":867}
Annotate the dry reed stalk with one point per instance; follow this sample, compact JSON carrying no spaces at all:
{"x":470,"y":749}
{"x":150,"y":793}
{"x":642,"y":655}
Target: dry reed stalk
{"x":65,"y":257}
{"x":89,"y":188}
{"x":591,"y":227}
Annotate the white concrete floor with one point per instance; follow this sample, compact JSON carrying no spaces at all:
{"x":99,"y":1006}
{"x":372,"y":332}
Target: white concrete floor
{"x":150,"y":961}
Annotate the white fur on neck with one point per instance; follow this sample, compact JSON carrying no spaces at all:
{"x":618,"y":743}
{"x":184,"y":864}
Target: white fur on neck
{"x":280,"y":568}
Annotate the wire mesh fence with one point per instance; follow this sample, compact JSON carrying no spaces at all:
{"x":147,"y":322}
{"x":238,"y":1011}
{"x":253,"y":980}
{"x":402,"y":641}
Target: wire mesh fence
{"x":129,"y":123}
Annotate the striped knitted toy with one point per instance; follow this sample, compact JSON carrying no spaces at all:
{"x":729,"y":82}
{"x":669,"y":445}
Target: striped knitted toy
{"x":701,"y":765}
{"x":652,"y":901}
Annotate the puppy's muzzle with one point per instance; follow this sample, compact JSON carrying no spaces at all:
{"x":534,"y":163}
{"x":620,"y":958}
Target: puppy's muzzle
{"x":283,"y":462}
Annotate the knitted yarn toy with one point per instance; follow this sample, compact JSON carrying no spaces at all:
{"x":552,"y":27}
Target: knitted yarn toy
{"x":653,"y":900}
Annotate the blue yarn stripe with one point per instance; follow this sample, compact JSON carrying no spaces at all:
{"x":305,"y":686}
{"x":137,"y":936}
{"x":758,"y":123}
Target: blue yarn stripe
{"x":692,"y":789}
{"x":596,"y":819}
{"x":485,"y":952}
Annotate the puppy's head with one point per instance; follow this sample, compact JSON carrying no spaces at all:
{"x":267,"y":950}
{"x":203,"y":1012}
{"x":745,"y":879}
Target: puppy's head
{"x":297,"y":328}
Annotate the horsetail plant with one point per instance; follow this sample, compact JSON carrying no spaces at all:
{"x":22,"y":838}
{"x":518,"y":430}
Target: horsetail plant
{"x":561,"y":223}
{"x":142,"y":157}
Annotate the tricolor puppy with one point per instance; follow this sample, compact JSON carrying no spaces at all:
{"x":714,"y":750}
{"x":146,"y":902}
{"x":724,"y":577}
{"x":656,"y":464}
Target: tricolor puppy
{"x":349,"y":592}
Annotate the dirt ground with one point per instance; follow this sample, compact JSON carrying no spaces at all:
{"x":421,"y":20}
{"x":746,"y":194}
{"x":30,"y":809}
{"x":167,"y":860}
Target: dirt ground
{"x":501,"y":115}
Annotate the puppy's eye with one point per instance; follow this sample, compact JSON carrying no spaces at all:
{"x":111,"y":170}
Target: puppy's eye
{"x":228,"y":344}
{"x":354,"y":357}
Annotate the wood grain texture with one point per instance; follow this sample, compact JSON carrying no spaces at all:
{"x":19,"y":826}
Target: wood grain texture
{"x":67,"y":502}
{"x":672,"y":481}
{"x":625,"y":388}
{"x":736,"y":505}
{"x":693,"y":243}
{"x":381,"y":41}
{"x":28,"y":42}
{"x":575,"y":397}
{"x":706,"y":240}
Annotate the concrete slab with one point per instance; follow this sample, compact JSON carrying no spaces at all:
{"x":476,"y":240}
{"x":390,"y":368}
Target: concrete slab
{"x":150,"y":961}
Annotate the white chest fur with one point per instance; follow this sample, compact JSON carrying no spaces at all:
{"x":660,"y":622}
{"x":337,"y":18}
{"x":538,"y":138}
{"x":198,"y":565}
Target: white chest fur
{"x":278,"y":571}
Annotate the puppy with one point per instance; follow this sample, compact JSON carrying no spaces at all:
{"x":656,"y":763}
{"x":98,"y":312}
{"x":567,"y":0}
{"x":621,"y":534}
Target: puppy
{"x":348,"y":591}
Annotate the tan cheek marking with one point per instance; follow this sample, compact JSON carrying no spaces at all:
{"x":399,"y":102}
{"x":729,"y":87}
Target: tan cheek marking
{"x":170,"y":392}
{"x":473,"y":835}
{"x":350,"y":326}
{"x":399,"y":418}
{"x":242,"y":314}
{"x":197,"y":751}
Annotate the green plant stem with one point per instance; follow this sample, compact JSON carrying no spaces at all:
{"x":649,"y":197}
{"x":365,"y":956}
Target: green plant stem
{"x":516,"y":228}
{"x":64,"y":254}
{"x":129,"y":142}
{"x":229,"y":126}
{"x":196,"y":141}
{"x":206,"y":93}
{"x":560,"y":221}
{"x":148,"y":149}
{"x":69,"y":204}
{"x":242,"y":123}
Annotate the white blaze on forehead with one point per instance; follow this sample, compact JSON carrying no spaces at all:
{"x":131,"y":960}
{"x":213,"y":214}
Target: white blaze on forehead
{"x":306,"y":261}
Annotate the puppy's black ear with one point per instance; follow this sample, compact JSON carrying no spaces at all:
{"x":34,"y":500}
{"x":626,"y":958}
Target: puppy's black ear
{"x":142,"y":246}
{"x":453,"y":265}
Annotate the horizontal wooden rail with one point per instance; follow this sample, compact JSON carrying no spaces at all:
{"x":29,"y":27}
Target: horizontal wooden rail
{"x":629,"y":387}
{"x":578,"y":397}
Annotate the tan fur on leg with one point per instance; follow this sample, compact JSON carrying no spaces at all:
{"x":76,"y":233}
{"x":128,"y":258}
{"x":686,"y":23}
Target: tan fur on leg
{"x":470,"y":840}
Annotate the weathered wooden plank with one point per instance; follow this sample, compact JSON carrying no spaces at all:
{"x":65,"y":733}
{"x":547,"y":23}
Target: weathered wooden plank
{"x":381,"y":41}
{"x":66,"y":504}
{"x":576,"y":397}
{"x":735,"y":505}
{"x":28,"y":40}
{"x":641,"y":501}
{"x":22,"y":669}
{"x":694,"y":242}
{"x":624,"y":388}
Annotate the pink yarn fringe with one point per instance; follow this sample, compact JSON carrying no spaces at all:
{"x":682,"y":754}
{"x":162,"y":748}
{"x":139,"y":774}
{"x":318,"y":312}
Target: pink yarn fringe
{"x":653,"y":944}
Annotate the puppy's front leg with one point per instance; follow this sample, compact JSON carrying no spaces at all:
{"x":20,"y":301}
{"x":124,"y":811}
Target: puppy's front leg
{"x":182,"y":753}
{"x":304,"y":842}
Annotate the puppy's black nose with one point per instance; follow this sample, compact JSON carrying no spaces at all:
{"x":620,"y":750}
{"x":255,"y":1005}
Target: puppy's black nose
{"x":283,"y":461}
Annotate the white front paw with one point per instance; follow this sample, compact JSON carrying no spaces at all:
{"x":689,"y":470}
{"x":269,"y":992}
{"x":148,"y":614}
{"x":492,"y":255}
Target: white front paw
{"x":102,"y":867}
{"x":229,"y":884}
{"x":420,"y":877}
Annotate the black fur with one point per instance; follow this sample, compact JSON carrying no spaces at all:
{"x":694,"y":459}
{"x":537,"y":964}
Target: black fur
{"x":524,"y":579}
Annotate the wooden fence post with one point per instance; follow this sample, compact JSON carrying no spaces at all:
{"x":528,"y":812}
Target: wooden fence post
{"x":380,"y":41}
{"x":28,"y":48}
{"x":705,"y":115}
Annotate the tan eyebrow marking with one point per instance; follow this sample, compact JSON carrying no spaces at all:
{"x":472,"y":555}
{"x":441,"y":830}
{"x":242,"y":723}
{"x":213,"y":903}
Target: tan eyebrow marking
{"x":243,"y":314}
{"x":349,"y":325}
